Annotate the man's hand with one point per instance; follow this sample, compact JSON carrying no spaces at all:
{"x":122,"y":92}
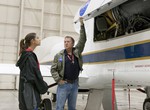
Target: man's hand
{"x":81,"y":21}
{"x":62,"y":82}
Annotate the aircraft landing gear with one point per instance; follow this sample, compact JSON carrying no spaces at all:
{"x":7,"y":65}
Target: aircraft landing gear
{"x":46,"y":105}
{"x":53,"y":97}
{"x":146,"y":104}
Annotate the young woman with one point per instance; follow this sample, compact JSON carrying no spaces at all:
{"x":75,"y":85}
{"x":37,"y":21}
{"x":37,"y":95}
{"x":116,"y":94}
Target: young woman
{"x":31,"y":83}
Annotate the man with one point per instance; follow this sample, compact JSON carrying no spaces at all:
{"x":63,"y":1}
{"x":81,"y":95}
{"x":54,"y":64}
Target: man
{"x":65,"y":70}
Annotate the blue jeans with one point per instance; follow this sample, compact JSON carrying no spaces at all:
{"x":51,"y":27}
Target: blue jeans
{"x":68,"y":92}
{"x":36,"y":109}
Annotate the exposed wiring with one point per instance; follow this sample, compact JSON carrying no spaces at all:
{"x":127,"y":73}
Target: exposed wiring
{"x":138,"y":22}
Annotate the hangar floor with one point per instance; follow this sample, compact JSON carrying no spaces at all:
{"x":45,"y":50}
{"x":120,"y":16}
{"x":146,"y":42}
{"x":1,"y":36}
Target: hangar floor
{"x":9,"y":100}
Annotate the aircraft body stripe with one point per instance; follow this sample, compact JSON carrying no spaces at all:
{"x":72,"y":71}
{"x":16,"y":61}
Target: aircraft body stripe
{"x":137,"y":51}
{"x":120,"y":54}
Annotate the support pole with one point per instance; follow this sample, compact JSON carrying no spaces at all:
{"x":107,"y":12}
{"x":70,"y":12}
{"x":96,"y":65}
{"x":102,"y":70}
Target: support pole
{"x":113,"y":92}
{"x":129,"y":96}
{"x":61,"y":17}
{"x":42,"y":19}
{"x":20,"y":24}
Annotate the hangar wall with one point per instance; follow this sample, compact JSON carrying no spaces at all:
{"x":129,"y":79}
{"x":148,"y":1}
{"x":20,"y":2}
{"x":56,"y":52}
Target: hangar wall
{"x":45,"y":17}
{"x":19,"y":17}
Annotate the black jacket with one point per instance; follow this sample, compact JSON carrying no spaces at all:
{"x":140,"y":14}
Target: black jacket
{"x":31,"y":83}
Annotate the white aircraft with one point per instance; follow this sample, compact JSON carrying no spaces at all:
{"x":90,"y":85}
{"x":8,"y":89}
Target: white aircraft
{"x":116,"y":53}
{"x":117,"y":49}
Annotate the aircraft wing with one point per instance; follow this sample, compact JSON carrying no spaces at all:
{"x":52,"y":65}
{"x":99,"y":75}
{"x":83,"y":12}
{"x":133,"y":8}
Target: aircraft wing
{"x":83,"y":78}
{"x":11,"y":69}
{"x":45,"y":70}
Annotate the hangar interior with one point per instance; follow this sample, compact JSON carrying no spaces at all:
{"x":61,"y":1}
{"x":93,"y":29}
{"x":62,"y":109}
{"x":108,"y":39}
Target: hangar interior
{"x":45,"y":17}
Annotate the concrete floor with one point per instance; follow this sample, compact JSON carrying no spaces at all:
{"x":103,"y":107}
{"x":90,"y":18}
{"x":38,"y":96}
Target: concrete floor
{"x":9,"y":100}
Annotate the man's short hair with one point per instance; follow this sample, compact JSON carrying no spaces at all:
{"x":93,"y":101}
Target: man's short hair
{"x":71,"y":38}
